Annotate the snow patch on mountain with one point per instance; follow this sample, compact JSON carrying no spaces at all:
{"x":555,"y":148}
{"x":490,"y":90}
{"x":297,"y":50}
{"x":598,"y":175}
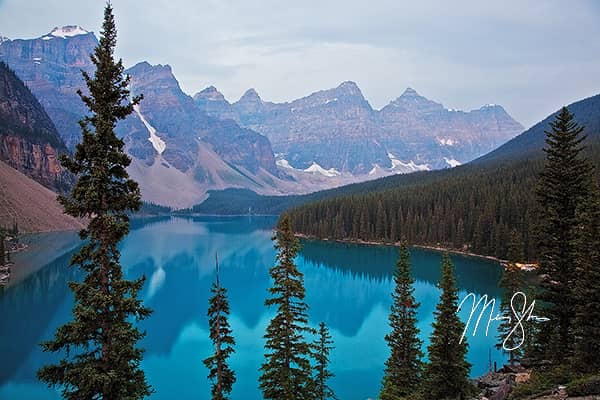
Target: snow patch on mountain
{"x":284,"y":163}
{"x":66,"y":31}
{"x":158,"y":144}
{"x":452,"y":162}
{"x":317,"y":169}
{"x":446,"y":141}
{"x":488,"y":106}
{"x":402,"y":168}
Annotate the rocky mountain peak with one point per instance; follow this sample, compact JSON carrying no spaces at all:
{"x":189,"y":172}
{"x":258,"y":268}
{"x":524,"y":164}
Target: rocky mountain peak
{"x":251,"y":104}
{"x":209,"y":94}
{"x":159,"y":77}
{"x":250,"y":96}
{"x":349,"y":89}
{"x":492,"y":107}
{"x":145,"y":67}
{"x":412,"y":101}
{"x":410,"y":92}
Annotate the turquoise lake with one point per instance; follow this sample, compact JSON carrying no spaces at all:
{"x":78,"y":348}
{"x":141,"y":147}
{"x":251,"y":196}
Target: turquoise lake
{"x":347,"y":286}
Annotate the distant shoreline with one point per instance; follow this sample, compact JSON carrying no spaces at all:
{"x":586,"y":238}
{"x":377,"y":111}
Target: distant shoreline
{"x":175,"y":214}
{"x":420,"y":246}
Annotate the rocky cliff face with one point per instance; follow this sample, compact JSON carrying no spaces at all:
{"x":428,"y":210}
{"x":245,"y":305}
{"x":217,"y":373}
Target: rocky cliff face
{"x":338,"y":129}
{"x":182,"y":125}
{"x":51,"y":67}
{"x":29,"y":141}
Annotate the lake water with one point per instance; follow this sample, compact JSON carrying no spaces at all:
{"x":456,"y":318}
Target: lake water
{"x":347,"y":286}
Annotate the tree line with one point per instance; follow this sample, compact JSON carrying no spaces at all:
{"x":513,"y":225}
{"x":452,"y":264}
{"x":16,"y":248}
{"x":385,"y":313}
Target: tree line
{"x":475,"y":213}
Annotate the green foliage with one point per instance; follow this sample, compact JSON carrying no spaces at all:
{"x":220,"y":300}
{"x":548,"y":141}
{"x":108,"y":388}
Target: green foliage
{"x":543,"y":382}
{"x":586,"y":289}
{"x":587,"y":386}
{"x":560,"y":191}
{"x":531,"y":348}
{"x":447,"y":373}
{"x":220,"y":374}
{"x":322,"y":347}
{"x":403,"y":368}
{"x":536,"y":385}
{"x":286,"y":372}
{"x":101,"y":358}
{"x":149,"y":208}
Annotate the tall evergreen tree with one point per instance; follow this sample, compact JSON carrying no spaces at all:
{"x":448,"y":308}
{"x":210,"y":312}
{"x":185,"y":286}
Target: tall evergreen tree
{"x":587,"y":286}
{"x":403,"y":368}
{"x":532,"y":348}
{"x":322,"y":347}
{"x":447,"y":373}
{"x":221,"y":335}
{"x":562,"y":186}
{"x":101,"y":360}
{"x":286,"y":372}
{"x":511,"y":283}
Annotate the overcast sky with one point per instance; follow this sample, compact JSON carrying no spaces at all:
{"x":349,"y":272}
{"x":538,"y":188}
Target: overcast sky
{"x":529,"y":56}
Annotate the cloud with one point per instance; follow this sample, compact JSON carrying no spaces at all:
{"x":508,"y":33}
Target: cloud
{"x":462,"y":53}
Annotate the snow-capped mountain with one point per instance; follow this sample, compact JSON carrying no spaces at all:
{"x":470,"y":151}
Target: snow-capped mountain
{"x":65,"y":32}
{"x":50,"y":66}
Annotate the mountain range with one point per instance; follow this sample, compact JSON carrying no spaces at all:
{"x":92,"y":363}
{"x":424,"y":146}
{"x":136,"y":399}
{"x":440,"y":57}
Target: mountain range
{"x":338,"y":130}
{"x":184,"y":147}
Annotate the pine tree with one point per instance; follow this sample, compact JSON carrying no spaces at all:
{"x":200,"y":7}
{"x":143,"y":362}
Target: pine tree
{"x":531,"y":348}
{"x":403,"y":368}
{"x":561,"y":189}
{"x":447,"y":373}
{"x":321,"y":349}
{"x":220,"y":374}
{"x":101,"y":360}
{"x":587,"y":286}
{"x":286,"y":372}
{"x":511,"y":283}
